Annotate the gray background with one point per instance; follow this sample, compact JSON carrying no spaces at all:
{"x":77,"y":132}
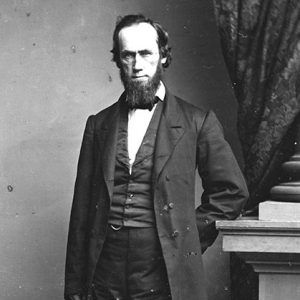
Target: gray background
{"x":55,"y":70}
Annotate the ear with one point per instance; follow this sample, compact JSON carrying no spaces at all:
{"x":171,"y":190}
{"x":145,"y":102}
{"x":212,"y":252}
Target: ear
{"x":163,"y":60}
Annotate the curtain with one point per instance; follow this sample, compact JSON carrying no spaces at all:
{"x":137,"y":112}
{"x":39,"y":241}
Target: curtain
{"x":261,"y":45}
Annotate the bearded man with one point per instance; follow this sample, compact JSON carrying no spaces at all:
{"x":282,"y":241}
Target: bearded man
{"x":134,"y":232}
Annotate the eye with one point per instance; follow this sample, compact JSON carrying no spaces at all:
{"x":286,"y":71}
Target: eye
{"x":145,"y":53}
{"x":126,"y":55}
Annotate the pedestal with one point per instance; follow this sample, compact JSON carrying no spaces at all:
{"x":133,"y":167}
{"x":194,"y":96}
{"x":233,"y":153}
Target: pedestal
{"x":271,"y":243}
{"x":272,"y":248}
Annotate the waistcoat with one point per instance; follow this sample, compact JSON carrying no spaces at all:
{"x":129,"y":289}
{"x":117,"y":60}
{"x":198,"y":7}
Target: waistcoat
{"x":132,"y":201}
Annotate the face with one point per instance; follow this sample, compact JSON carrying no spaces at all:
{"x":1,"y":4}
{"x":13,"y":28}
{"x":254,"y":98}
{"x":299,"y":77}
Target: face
{"x":139,"y":52}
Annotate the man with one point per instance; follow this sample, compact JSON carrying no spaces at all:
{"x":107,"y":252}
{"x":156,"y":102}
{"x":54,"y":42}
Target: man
{"x":134,"y":233}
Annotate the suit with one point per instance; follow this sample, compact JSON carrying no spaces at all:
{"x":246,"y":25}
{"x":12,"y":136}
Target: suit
{"x":187,"y":139}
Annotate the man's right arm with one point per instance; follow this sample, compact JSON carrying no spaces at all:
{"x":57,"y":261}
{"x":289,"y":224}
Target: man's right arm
{"x":78,"y":229}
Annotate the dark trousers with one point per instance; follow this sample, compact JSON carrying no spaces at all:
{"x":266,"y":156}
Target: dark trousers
{"x":131,"y":266}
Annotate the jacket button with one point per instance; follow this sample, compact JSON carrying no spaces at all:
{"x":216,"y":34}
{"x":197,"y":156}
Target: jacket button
{"x":171,"y":205}
{"x":97,"y":206}
{"x":175,"y":233}
{"x":167,"y":178}
{"x":166,"y":208}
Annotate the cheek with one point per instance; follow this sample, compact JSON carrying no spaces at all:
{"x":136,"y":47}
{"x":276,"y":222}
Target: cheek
{"x":152,"y":66}
{"x":126,"y":69}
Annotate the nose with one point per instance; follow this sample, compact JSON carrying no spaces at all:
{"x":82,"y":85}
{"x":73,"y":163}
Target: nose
{"x":137,"y":63}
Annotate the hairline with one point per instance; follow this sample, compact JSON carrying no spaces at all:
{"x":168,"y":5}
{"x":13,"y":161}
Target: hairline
{"x":136,"y":24}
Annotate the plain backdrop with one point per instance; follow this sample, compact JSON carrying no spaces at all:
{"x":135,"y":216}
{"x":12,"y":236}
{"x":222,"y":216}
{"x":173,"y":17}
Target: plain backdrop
{"x":55,"y":70}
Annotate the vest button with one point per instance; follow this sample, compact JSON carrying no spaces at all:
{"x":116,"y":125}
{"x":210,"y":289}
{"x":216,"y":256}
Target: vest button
{"x":171,"y":205}
{"x":175,"y":233}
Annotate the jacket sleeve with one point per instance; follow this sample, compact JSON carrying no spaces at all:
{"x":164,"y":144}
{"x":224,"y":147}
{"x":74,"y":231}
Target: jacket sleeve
{"x":78,"y":227}
{"x":225,"y":191}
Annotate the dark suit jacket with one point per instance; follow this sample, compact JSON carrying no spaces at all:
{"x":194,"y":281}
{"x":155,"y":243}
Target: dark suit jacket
{"x":187,"y":139}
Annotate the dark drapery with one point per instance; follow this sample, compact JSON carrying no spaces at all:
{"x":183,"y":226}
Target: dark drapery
{"x":261,"y":45}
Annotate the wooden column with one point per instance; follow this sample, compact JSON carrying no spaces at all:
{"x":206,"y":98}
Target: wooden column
{"x":289,"y":191}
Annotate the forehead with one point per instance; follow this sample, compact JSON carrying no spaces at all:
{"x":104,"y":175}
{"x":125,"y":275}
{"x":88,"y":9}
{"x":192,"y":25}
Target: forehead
{"x":138,"y":37}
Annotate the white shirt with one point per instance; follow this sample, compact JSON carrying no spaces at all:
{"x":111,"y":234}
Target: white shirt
{"x":138,"y":122}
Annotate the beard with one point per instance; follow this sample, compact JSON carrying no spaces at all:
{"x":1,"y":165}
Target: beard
{"x":140,"y":94}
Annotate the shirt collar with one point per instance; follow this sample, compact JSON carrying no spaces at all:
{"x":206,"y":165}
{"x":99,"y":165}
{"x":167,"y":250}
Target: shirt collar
{"x":161,"y":91}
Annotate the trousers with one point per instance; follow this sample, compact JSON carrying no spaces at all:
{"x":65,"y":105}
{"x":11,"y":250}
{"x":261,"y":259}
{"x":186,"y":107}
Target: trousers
{"x":131,"y":266}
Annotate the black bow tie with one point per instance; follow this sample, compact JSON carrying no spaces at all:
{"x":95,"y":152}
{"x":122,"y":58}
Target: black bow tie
{"x":148,"y":106}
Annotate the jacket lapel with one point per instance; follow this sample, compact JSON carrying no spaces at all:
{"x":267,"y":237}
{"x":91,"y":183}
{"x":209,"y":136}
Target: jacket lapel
{"x":108,"y":146}
{"x":169,"y":133}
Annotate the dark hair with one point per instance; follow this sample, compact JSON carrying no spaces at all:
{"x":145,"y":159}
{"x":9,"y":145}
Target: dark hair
{"x":163,"y":37}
